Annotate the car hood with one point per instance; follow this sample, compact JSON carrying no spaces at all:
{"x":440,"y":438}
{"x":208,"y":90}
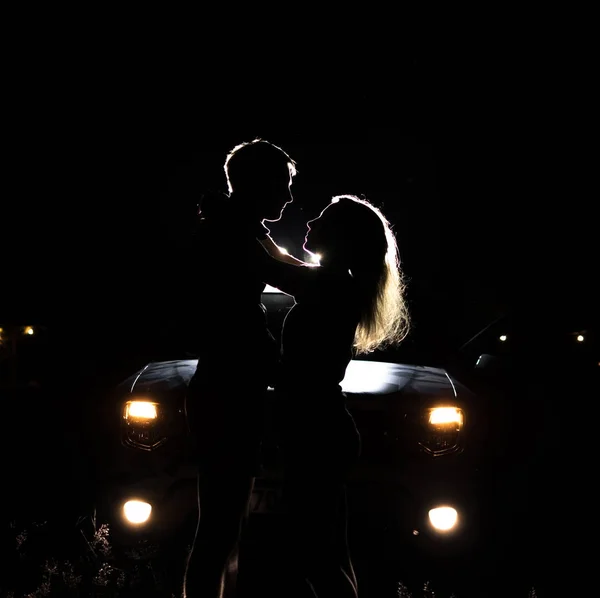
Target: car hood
{"x":362,"y":379}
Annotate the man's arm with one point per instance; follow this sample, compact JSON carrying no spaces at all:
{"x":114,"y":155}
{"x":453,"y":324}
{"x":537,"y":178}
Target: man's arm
{"x":281,"y":254}
{"x":292,"y":278}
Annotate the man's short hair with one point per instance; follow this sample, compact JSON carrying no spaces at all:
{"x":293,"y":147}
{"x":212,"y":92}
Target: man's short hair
{"x":247,"y":164}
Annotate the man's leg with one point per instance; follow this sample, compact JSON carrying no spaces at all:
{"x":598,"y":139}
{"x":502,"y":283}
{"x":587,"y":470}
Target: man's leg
{"x":223,"y":499}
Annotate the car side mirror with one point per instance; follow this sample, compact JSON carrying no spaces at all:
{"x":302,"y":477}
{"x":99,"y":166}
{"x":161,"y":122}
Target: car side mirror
{"x":490,"y":364}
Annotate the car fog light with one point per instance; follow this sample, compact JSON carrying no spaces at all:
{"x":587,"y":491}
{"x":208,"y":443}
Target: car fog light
{"x":443,"y":519}
{"x":137,"y":511}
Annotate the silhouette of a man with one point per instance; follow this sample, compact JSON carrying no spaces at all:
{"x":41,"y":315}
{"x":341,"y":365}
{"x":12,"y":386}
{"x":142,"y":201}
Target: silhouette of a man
{"x":237,"y":354}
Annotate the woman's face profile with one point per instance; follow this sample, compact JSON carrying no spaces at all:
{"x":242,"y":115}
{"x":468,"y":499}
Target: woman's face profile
{"x":319,"y":230}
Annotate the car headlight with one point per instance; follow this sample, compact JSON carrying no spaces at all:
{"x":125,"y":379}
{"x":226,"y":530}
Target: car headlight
{"x":141,"y":410}
{"x":144,"y":424}
{"x":442,"y":430}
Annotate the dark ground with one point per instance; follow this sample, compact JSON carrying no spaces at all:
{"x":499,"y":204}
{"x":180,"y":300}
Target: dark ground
{"x":538,"y":483}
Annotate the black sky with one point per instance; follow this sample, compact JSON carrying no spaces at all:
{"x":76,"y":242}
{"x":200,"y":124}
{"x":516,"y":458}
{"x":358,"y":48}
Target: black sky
{"x":108,"y":153}
{"x":98,"y":228}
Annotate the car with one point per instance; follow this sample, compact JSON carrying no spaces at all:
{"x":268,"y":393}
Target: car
{"x":456,"y":451}
{"x":424,"y":437}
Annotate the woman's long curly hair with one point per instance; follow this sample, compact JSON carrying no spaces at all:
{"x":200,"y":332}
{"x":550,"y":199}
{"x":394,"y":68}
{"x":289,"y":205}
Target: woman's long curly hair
{"x":355,"y":233}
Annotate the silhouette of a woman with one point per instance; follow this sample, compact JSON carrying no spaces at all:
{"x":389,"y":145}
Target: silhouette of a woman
{"x":353,"y":303}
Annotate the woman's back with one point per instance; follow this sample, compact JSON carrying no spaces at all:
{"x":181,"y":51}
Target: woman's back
{"x":353,"y":302}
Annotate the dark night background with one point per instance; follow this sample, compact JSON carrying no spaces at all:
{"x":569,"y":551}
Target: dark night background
{"x":96,"y":234}
{"x":105,"y":169}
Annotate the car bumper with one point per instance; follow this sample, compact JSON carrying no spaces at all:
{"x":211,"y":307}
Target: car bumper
{"x":387,"y":511}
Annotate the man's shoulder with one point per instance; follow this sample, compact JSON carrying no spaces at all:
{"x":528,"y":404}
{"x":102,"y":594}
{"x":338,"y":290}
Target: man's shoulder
{"x":214,"y":206}
{"x":213,"y":216}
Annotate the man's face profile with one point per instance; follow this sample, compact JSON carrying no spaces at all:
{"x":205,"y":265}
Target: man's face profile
{"x":276,"y":196}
